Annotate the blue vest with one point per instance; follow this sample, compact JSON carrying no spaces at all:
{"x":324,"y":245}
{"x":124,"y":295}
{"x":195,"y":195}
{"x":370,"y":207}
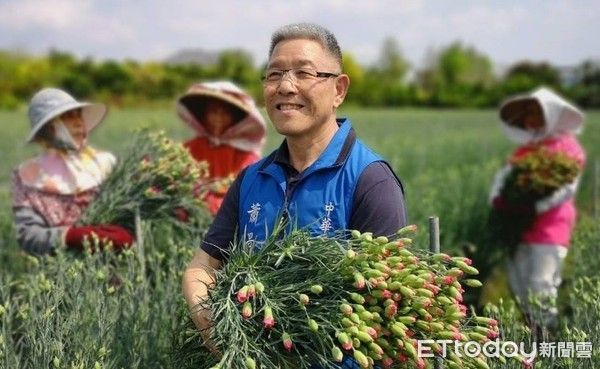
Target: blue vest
{"x":322,"y":200}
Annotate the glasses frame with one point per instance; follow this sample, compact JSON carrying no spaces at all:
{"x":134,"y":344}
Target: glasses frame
{"x":284,"y":72}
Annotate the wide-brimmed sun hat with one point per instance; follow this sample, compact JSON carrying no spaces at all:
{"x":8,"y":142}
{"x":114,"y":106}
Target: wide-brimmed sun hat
{"x":49,"y":103}
{"x":197,"y":97}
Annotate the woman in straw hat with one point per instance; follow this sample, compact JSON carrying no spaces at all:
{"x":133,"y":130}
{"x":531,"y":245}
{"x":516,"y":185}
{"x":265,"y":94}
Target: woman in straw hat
{"x":540,"y":119}
{"x":230,"y":133}
{"x":51,"y":191}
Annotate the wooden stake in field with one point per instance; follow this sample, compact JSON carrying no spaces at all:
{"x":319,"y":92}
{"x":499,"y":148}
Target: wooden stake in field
{"x":595,"y":189}
{"x":434,"y":247}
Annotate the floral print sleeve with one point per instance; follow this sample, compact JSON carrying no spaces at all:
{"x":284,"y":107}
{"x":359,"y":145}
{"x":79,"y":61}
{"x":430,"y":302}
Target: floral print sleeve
{"x":34,"y":235}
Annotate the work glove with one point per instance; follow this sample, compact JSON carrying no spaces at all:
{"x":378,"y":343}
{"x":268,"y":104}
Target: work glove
{"x":119,"y":236}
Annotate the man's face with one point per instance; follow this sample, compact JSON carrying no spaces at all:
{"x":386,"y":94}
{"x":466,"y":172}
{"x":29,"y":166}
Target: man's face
{"x":302,"y":106}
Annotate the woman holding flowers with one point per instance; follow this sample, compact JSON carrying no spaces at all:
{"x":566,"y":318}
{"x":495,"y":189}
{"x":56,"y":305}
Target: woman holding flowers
{"x":51,"y":191}
{"x":539,"y":183}
{"x":230,"y":133}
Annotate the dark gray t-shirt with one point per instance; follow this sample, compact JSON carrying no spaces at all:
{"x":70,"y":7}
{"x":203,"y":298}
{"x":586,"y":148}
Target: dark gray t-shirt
{"x":378,"y":206}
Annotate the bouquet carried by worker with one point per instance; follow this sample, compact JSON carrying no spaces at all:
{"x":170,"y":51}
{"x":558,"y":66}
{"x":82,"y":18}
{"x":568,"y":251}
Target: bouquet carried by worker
{"x":537,"y":174}
{"x":156,"y":178}
{"x":301,"y":300}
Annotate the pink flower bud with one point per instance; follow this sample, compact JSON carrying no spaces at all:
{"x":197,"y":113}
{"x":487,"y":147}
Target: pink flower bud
{"x":346,"y":309}
{"x":287,"y":342}
{"x":251,"y":291}
{"x":304,"y":299}
{"x":386,"y":294}
{"x":527,"y":363}
{"x":268,"y":320}
{"x":359,"y":285}
{"x":433,"y":288}
{"x":242,"y":295}
{"x":391,"y":310}
{"x":373,"y":282}
{"x":247,"y":310}
{"x":371,"y":332}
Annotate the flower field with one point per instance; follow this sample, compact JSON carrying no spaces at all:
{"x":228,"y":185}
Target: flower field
{"x":127,"y":310}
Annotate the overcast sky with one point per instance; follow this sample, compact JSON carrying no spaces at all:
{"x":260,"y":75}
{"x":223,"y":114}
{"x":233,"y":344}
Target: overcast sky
{"x":562,"y":32}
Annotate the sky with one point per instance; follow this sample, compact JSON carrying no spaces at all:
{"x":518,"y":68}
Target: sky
{"x":561,"y":32}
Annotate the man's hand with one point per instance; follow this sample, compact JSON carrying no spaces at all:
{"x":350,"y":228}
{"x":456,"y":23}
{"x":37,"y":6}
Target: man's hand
{"x":203,"y":320}
{"x":197,"y":279}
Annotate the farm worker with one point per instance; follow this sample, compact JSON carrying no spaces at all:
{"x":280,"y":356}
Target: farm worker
{"x":322,"y":178}
{"x":230,"y":133}
{"x":51,"y":191}
{"x":541,"y":118}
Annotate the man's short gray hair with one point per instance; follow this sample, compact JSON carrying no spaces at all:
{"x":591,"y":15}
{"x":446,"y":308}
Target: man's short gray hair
{"x":308,"y":31}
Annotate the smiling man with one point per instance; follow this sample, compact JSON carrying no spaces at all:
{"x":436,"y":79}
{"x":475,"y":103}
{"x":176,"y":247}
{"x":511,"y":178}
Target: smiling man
{"x":322,"y":178}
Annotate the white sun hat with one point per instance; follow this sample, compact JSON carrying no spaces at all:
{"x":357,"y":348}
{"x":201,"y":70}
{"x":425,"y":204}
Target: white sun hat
{"x":49,"y":103}
{"x":559,"y":115}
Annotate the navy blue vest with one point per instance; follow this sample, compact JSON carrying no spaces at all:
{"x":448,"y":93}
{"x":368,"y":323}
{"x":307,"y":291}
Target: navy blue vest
{"x":321,"y":201}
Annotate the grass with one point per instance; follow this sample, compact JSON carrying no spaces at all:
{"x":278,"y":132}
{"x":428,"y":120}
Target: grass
{"x":445,"y":158}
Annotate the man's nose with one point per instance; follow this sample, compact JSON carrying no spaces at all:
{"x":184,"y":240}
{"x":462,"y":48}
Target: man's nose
{"x":287,"y":86}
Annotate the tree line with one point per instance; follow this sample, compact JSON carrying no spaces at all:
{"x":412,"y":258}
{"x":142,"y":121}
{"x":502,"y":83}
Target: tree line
{"x":456,"y":75}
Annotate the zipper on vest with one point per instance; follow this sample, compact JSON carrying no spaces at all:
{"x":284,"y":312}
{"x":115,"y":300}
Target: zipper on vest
{"x":291,"y":183}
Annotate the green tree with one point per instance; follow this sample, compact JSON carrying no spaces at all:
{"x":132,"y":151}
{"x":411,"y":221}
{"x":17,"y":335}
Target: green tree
{"x":112,"y":77}
{"x":30,"y":75}
{"x":458,"y":75}
{"x":70,"y":74}
{"x":79,"y":80}
{"x":392,"y":65}
{"x":525,"y":76}
{"x":587,"y":90}
{"x":384,"y":81}
{"x":354,"y":70}
{"x":539,"y":73}
{"x":238,"y":66}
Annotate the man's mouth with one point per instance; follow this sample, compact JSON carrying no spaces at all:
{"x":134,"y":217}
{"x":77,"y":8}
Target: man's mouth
{"x":287,"y":107}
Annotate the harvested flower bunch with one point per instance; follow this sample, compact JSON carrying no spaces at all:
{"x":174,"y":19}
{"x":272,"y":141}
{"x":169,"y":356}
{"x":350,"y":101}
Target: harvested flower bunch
{"x":537,"y":174}
{"x":155,"y":176}
{"x":302,"y":300}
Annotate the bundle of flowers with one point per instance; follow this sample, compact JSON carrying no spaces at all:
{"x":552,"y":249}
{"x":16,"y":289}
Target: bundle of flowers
{"x":219,"y":186}
{"x":156,"y":178}
{"x":538,"y":174}
{"x":301,"y":300}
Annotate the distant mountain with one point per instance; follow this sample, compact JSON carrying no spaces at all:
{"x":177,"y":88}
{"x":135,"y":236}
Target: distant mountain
{"x":193,"y":56}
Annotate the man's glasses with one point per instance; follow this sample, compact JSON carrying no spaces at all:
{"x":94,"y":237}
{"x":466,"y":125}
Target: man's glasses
{"x":297,"y":75}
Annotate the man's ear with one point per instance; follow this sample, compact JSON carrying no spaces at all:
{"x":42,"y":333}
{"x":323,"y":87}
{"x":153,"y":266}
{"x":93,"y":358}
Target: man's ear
{"x":342,"y":82}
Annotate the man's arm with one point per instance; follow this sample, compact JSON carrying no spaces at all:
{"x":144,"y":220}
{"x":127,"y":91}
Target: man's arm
{"x":198,"y":277}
